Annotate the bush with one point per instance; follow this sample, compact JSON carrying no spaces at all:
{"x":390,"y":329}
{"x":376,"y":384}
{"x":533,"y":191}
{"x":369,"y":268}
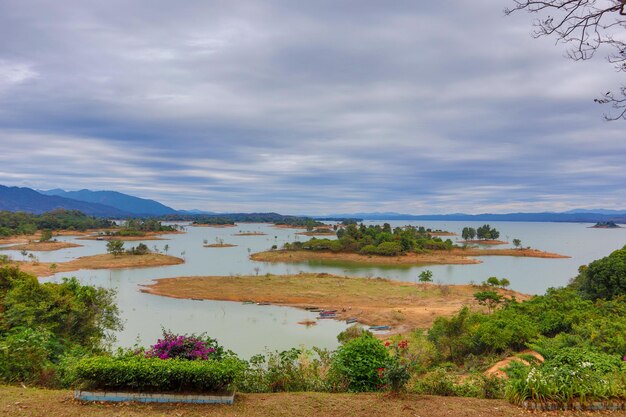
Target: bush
{"x":573,"y":374}
{"x":138,"y":373}
{"x":604,"y":278}
{"x":189,"y":347}
{"x":357,"y":364}
{"x":290,"y":370}
{"x":25,"y":355}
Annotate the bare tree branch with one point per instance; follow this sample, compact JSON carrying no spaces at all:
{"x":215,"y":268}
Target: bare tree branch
{"x":587,"y":26}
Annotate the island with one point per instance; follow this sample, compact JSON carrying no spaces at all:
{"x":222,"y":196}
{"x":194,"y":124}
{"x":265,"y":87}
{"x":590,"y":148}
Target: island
{"x":103,"y":261}
{"x":380,"y":245}
{"x":45,"y":246}
{"x":606,"y":225}
{"x":372,"y":301}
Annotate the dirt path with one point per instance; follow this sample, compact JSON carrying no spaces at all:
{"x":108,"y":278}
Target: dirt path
{"x":373,"y":301}
{"x":20,"y":402}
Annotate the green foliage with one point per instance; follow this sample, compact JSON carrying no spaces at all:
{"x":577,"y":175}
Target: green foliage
{"x":468,"y":233}
{"x":140,"y":249}
{"x":426,"y":276}
{"x":46,"y":235}
{"x":356,"y":364}
{"x":138,"y":373}
{"x":21,"y":223}
{"x":487,"y":232}
{"x":517,"y":243}
{"x":376,"y":240}
{"x":115,"y":247}
{"x":353,"y":332}
{"x":572,"y":374}
{"x":604,"y":278}
{"x":291,"y":370}
{"x":443,"y":382}
{"x":490,"y":299}
{"x":40,"y":323}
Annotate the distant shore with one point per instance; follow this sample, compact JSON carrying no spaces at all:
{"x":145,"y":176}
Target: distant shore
{"x":378,"y":301}
{"x":146,"y":236}
{"x":220,"y":245}
{"x":439,"y":257}
{"x":215,"y":225}
{"x":484,"y":242}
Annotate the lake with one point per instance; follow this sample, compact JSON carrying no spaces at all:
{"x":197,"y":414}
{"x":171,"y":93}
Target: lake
{"x":250,"y":329}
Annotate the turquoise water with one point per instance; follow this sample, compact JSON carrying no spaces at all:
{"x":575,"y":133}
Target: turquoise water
{"x":249,"y":329}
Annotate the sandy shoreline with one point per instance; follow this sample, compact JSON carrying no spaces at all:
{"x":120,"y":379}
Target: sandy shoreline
{"x":104,"y":261}
{"x":42,"y":246}
{"x":373,"y":301}
{"x":443,"y":257}
{"x":451,"y":257}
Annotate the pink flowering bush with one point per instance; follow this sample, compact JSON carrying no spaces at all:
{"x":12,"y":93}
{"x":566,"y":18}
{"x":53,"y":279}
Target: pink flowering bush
{"x":189,"y":347}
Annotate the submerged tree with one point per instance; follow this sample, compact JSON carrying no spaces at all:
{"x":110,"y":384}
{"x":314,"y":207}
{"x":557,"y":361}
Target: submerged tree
{"x":586,"y":25}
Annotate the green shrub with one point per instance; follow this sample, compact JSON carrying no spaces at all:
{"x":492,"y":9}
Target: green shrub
{"x":25,"y":355}
{"x":353,"y":332}
{"x":287,"y":371}
{"x":357,"y":363}
{"x":137,"y":373}
{"x":572,"y":374}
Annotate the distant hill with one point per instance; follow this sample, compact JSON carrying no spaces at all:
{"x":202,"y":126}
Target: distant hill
{"x":127,"y":203}
{"x":576,"y":216}
{"x":29,"y":200}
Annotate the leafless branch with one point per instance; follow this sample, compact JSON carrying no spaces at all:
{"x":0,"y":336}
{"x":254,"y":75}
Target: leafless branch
{"x":586,"y":25}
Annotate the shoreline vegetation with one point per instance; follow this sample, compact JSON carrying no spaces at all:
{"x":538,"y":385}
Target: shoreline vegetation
{"x":102,"y":261}
{"x":250,"y":234}
{"x":144,"y":236}
{"x":215,"y":225}
{"x":220,"y":245}
{"x":606,"y":225}
{"x":483,"y":242}
{"x":37,"y":246}
{"x":373,"y":301}
{"x":435,"y":257}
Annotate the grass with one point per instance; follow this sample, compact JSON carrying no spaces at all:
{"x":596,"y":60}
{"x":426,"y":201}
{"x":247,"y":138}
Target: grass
{"x":374,"y":301}
{"x":104,"y":261}
{"x":435,"y":257}
{"x":31,"y":402}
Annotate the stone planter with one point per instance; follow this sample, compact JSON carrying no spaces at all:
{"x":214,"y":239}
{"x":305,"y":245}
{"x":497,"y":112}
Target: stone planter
{"x":115,"y":396}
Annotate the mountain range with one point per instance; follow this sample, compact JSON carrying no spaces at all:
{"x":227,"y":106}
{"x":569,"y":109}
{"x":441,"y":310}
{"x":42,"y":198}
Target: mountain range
{"x":116,"y":204}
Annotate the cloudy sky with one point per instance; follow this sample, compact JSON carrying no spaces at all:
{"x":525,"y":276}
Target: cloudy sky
{"x":304,"y":106}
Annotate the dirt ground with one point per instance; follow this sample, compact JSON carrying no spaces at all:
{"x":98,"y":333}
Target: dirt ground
{"x":104,"y":261}
{"x":42,"y":246}
{"x":439,"y":257}
{"x":373,"y":301}
{"x":20,"y":402}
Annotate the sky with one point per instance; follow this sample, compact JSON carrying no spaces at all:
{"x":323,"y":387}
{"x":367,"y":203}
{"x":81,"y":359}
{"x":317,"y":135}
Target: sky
{"x":305,"y":107}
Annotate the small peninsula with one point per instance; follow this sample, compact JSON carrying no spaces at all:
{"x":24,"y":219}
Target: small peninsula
{"x":378,"y":301}
{"x":103,"y":261}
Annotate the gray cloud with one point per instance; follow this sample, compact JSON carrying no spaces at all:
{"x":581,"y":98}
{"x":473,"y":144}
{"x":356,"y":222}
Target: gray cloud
{"x":303,"y":106}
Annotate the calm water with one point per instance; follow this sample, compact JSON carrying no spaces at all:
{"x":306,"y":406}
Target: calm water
{"x":249,"y":329}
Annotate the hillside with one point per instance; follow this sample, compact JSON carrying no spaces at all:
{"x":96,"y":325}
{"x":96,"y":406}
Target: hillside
{"x":124,"y":202}
{"x":28,"y":200}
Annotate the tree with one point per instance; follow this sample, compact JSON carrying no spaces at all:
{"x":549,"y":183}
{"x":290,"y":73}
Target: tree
{"x":604,"y":278}
{"x":468,"y":233}
{"x":426,"y":276}
{"x":490,"y":299}
{"x":586,"y":25}
{"x":517,"y":243}
{"x":46,"y":235}
{"x":115,"y":247}
{"x":166,"y":248}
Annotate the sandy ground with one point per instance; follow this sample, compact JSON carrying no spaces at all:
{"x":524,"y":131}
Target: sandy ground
{"x":443,"y":257}
{"x":29,"y":402}
{"x":42,"y":246}
{"x":104,"y":261}
{"x":496,"y":369}
{"x":374,"y":301}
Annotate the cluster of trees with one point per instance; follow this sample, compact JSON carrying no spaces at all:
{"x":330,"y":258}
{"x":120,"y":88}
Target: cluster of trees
{"x":376,"y":240}
{"x":231,"y":218}
{"x":44,"y":326}
{"x":483,"y":232}
{"x":116,"y":248}
{"x":20,"y":223}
